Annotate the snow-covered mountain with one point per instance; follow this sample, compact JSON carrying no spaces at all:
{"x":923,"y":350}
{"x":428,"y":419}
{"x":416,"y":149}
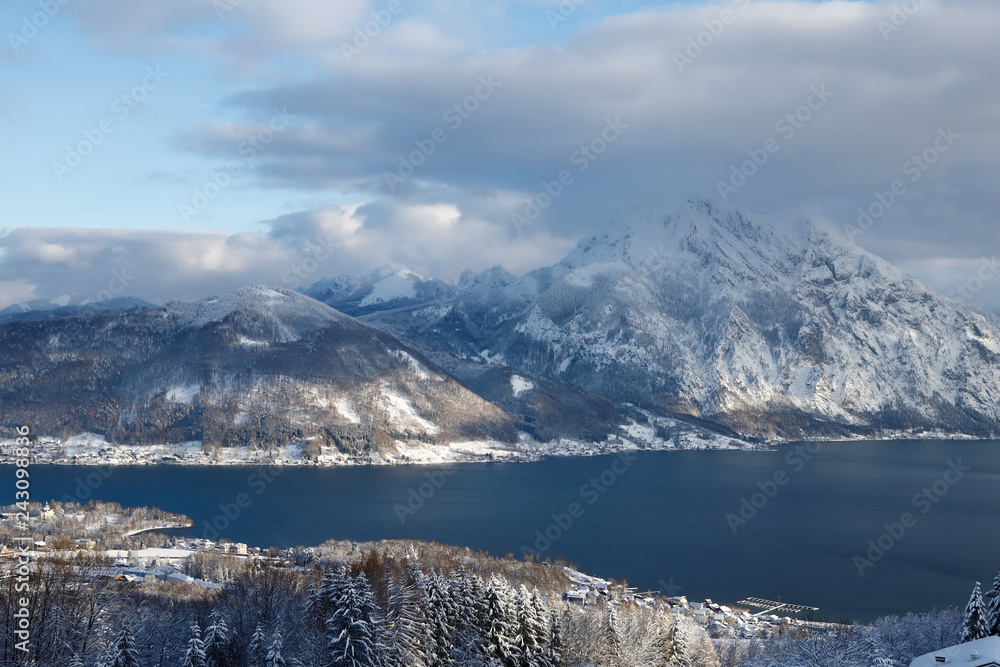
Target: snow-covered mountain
{"x":255,"y":368}
{"x":688,"y":328}
{"x":382,"y":289}
{"x":714,"y":313}
{"x":67,"y":304}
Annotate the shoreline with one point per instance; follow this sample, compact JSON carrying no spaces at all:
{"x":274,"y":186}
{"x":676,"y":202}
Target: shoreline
{"x":411,"y":454}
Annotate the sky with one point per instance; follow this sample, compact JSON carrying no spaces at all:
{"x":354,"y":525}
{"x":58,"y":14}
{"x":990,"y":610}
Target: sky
{"x":181,"y":148}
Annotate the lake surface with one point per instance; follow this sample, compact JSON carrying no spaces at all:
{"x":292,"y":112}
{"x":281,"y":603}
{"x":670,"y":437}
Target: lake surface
{"x":659,"y":519}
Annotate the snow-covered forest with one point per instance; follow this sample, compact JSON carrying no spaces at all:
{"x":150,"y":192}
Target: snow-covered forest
{"x":394,"y":606}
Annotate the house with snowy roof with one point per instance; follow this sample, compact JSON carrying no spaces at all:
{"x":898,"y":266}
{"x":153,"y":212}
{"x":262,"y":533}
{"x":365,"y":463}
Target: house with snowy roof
{"x":983,"y":652}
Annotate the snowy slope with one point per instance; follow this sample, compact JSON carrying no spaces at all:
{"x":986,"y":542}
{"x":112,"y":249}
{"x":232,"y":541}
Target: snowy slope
{"x":382,"y":289}
{"x":258,"y":368}
{"x":714,"y":313}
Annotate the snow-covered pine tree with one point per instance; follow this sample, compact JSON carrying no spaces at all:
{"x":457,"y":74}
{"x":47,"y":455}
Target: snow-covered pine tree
{"x":501,"y":636}
{"x":320,"y":601}
{"x":195,"y":654}
{"x":533,"y":629}
{"x":356,"y":627}
{"x":75,"y":661}
{"x":406,"y":627}
{"x":615,"y":635}
{"x":217,"y":639}
{"x":692,"y":645}
{"x":477,"y":592}
{"x":257,"y":653}
{"x":555,"y":652}
{"x":438,"y":611}
{"x":994,"y":606}
{"x":541,"y":618}
{"x":882,"y":660}
{"x":107,"y":656}
{"x":976,"y":621}
{"x":274,"y":657}
{"x":125,"y":653}
{"x":875,"y":644}
{"x":467,"y":592}
{"x":680,"y":643}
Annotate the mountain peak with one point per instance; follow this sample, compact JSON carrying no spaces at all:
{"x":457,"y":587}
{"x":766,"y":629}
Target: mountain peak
{"x":291,"y":310}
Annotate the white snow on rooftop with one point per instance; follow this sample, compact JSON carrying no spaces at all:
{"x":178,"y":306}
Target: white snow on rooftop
{"x":986,"y":652}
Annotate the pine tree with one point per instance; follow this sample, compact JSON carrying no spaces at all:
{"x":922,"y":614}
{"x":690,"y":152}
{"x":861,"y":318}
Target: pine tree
{"x":75,"y":661}
{"x":532,"y":635}
{"x":107,"y":656}
{"x":258,"y":648}
{"x":882,"y":660}
{"x":501,"y":641}
{"x":994,"y":607}
{"x":407,"y":625}
{"x":469,"y":622}
{"x":274,"y":657}
{"x":217,"y":639}
{"x":681,"y":646}
{"x":541,"y":627}
{"x":321,"y":600}
{"x":355,"y":626}
{"x":555,"y":653}
{"x":976,"y":622}
{"x":438,"y":612}
{"x":615,"y":636}
{"x":195,"y":655}
{"x":125,"y":652}
{"x":880,"y":657}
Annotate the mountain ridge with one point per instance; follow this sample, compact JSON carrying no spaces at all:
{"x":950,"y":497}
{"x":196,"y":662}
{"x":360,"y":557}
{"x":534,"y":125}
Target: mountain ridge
{"x":712,"y":312}
{"x":701,"y":326}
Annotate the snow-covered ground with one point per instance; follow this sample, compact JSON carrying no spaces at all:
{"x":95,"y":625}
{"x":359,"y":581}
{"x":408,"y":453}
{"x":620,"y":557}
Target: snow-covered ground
{"x":93,"y":449}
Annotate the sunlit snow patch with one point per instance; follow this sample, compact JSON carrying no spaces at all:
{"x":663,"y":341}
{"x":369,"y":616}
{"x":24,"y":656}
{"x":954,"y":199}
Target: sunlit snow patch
{"x":519,"y":384}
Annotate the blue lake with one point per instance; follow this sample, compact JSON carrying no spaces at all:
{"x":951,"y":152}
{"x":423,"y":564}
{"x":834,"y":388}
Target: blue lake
{"x":653,"y":518}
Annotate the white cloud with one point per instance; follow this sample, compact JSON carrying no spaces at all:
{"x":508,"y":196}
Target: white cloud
{"x":686,"y":128}
{"x":298,"y":250}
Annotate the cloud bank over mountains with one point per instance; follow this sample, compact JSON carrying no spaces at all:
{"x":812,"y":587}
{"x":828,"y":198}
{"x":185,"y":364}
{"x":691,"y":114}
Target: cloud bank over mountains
{"x":399,"y":153}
